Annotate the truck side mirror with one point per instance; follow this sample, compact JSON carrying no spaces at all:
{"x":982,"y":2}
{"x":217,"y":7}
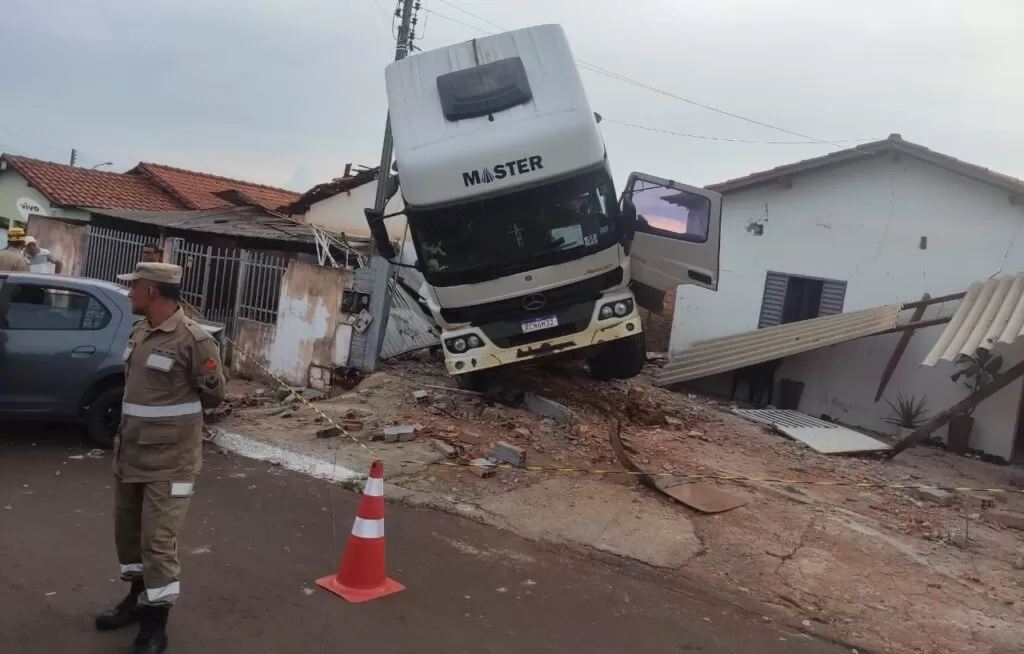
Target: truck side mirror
{"x":627,"y":223}
{"x":379,"y":232}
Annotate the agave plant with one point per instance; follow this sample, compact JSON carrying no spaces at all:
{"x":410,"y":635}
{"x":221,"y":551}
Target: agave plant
{"x":907,"y":412}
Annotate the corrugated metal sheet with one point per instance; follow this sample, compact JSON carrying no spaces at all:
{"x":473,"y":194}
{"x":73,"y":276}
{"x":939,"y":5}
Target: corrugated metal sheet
{"x":833,"y":294}
{"x":820,"y":436}
{"x":991,"y":312}
{"x":408,"y":328}
{"x":741,"y":350}
{"x":773,"y":300}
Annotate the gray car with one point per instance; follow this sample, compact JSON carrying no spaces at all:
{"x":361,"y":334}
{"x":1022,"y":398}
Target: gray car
{"x":62,"y":342}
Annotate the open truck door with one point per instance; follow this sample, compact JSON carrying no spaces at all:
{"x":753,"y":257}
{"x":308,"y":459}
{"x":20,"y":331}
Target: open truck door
{"x":676,"y":240}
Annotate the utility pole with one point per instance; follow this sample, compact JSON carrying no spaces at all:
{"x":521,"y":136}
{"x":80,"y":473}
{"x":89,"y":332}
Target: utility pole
{"x":380,"y":297}
{"x":74,"y":156}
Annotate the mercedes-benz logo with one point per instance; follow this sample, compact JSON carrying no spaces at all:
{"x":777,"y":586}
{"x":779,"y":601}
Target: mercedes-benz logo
{"x":534,"y":302}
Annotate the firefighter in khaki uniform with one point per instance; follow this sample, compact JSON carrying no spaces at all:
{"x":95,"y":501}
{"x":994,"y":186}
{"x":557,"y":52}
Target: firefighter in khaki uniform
{"x":172,"y":370}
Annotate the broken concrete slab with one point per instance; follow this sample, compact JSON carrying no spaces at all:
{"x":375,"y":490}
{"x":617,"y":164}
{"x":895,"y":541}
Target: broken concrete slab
{"x":1010,"y":519}
{"x":444,"y":448}
{"x":587,"y":512}
{"x":482,"y":467}
{"x":934,"y":495}
{"x":399,"y":433}
{"x":509,"y":453}
{"x":328,"y":432}
{"x":542,"y":406}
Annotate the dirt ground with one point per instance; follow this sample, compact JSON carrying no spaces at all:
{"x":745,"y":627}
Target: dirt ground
{"x":879,"y":568}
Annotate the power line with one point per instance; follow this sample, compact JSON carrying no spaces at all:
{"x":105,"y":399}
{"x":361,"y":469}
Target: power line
{"x":599,"y":70}
{"x":721,"y":138}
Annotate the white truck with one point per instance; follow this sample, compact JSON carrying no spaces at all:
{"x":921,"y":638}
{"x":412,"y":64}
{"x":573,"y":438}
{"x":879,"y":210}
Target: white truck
{"x":526,"y":249}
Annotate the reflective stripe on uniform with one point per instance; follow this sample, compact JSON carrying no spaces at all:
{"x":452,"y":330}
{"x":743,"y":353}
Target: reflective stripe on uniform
{"x":169,"y":411}
{"x":364,"y":528}
{"x":172,"y":589}
{"x":131,"y":568}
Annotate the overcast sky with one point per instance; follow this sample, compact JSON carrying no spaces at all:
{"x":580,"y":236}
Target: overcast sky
{"x":287,"y":91}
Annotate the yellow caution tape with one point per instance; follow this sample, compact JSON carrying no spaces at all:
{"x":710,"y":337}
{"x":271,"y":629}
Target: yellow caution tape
{"x":683,"y":476}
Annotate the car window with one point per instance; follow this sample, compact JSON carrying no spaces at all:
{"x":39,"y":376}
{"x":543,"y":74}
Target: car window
{"x":42,"y":307}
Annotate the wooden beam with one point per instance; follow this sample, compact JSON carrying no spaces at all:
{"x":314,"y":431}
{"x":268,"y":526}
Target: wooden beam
{"x":935,"y":300}
{"x":901,"y":347}
{"x":961,"y":407}
{"x":912,"y":326}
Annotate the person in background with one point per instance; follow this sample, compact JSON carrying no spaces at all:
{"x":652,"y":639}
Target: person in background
{"x":12,"y":258}
{"x":152,"y":253}
{"x":40,"y":259}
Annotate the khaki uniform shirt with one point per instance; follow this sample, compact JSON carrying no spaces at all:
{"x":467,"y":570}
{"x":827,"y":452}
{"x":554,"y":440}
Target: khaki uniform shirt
{"x":171,"y":372}
{"x":13,"y":260}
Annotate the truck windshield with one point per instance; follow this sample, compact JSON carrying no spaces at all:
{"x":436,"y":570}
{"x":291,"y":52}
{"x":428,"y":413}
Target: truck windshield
{"x":523,"y":230}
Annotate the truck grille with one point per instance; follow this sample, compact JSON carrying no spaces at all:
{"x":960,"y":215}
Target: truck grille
{"x":588,"y":290}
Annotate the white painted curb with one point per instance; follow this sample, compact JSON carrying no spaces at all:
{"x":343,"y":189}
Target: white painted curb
{"x":307,"y":465}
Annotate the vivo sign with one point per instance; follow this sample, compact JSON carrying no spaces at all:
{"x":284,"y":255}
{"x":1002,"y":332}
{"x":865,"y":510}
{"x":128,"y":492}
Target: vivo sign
{"x":29,"y":207}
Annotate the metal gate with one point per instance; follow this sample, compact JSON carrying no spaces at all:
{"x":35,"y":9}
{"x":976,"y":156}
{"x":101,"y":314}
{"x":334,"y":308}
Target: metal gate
{"x":111,"y":252}
{"x":210,"y":280}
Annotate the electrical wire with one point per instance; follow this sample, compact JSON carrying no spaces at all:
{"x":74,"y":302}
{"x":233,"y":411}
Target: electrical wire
{"x":722,"y":138}
{"x":600,"y":70}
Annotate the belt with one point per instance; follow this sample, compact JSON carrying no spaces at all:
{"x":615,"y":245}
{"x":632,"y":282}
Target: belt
{"x":167,"y":411}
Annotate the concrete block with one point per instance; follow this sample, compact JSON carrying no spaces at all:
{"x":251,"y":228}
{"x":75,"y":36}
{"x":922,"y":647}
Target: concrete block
{"x":399,"y":433}
{"x":935,"y":496}
{"x":482,"y":468}
{"x":1010,"y":519}
{"x":444,"y":448}
{"x":509,"y":454}
{"x":328,"y":432}
{"x":421,"y":396}
{"x":443,"y":403}
{"x":542,"y":406}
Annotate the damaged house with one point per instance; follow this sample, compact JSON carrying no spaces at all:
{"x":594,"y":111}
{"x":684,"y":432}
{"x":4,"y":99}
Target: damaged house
{"x":862,"y":235}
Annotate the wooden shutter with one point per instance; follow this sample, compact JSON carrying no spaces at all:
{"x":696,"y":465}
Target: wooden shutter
{"x":773,"y":299}
{"x":833,"y":293}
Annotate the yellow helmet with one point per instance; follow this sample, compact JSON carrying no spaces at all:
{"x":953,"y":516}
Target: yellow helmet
{"x":15,"y":234}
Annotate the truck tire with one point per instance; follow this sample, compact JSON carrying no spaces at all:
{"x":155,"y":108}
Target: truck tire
{"x":103,"y":416}
{"x":620,"y":359}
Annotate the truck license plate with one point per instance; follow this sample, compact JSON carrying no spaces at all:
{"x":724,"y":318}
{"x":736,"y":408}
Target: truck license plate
{"x":538,"y":324}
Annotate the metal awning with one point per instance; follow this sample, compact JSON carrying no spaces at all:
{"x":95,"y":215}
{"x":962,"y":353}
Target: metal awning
{"x":991,"y":312}
{"x":727,"y":353}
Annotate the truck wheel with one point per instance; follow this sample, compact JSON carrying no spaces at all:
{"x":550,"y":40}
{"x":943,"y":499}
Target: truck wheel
{"x":620,"y":359}
{"x":104,"y":416}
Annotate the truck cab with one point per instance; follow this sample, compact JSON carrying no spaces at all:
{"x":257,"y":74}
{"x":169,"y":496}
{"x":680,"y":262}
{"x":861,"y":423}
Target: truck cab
{"x":526,"y":247}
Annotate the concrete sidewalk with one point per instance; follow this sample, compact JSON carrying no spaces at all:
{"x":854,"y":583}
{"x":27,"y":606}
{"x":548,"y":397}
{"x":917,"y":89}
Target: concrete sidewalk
{"x":257,"y":538}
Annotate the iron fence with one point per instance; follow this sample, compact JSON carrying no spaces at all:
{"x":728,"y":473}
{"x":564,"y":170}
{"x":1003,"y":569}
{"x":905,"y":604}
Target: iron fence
{"x":110,"y":252}
{"x":261,"y":294}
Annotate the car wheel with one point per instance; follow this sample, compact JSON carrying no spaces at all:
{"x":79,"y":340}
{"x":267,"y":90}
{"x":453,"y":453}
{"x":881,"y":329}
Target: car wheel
{"x":104,"y":417}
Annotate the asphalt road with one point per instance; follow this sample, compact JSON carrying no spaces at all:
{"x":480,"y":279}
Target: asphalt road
{"x":258,"y":537}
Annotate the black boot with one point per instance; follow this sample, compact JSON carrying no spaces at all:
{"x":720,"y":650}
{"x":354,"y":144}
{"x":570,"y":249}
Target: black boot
{"x":152,"y":638}
{"x":124,"y":613}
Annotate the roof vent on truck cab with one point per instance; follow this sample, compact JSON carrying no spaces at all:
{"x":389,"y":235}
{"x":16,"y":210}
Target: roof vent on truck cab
{"x":484,"y":90}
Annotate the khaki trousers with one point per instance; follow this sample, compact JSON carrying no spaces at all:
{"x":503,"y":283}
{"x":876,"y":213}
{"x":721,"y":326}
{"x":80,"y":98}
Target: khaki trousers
{"x":147,"y":519}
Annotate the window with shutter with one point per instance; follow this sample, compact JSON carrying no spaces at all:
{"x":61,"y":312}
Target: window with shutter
{"x":773,"y":300}
{"x":792,"y":298}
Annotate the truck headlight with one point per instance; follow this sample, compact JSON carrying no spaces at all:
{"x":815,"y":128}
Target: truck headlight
{"x":618,"y":309}
{"x":460,"y":344}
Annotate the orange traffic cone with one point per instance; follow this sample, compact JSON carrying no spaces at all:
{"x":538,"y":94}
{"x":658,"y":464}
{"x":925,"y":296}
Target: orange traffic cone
{"x":362,"y":574}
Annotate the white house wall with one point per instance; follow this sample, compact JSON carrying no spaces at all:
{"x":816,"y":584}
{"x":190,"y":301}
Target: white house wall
{"x":344,"y":212}
{"x":862,"y":223}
